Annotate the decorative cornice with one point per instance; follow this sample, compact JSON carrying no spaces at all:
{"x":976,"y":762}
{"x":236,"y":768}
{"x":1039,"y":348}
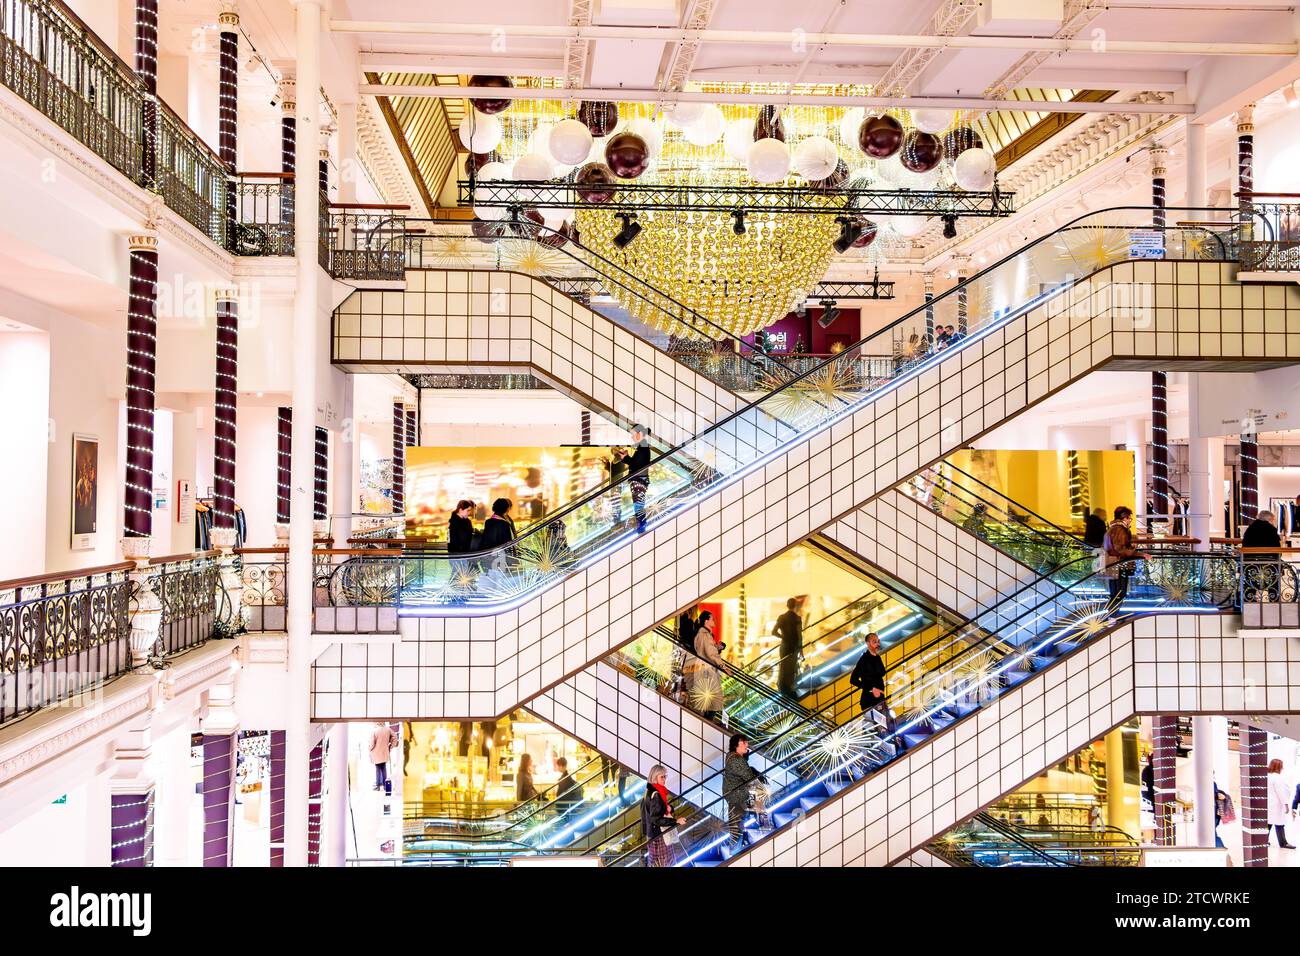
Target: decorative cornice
{"x":387,"y":175}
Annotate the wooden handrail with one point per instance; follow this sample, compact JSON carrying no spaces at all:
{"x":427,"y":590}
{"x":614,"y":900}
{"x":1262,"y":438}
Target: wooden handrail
{"x":53,"y":577}
{"x":363,"y":552}
{"x":1270,"y":550}
{"x":183,"y":556}
{"x":1251,"y":194}
{"x":280,"y":549}
{"x":263,"y":175}
{"x":367,"y":205}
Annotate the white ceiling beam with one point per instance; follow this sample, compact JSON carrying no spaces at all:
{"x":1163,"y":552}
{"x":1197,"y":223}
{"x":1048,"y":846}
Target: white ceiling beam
{"x":378,"y":61}
{"x":782,"y":38}
{"x":655,"y":96}
{"x":1080,"y":78}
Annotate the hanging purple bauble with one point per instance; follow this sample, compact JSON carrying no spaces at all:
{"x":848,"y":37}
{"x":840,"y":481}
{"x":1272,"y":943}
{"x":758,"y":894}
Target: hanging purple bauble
{"x":835,"y":180}
{"x":880,"y":136}
{"x":526,"y":226}
{"x":769,"y":125}
{"x":869,"y":231}
{"x":477,"y":161}
{"x":921,"y":151}
{"x":557,"y":238}
{"x":488,"y":232}
{"x":487,"y":104}
{"x":595,"y":183}
{"x":627,"y":155}
{"x":599,"y":116}
{"x":958,"y":140}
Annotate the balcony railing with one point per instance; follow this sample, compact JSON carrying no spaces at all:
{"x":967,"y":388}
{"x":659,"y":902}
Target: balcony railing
{"x":1270,"y":587}
{"x":63,"y":635}
{"x":1273,"y":242}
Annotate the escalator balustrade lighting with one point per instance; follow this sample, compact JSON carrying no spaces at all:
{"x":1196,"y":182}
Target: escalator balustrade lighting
{"x":850,"y":232}
{"x":631,"y":229}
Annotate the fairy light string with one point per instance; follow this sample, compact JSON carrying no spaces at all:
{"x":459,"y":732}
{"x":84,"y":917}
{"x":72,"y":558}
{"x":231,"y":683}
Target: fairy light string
{"x":146,"y":69}
{"x":321,"y":474}
{"x":1159,"y":443}
{"x":283,"y":462}
{"x":224,"y":416}
{"x":228,"y":103}
{"x":399,"y":458}
{"x":141,"y":364}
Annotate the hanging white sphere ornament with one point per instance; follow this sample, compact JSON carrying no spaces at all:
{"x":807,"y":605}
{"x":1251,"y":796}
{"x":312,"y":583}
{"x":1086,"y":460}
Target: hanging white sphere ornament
{"x":479,"y":132}
{"x":539,"y":140}
{"x":533,"y":167}
{"x":850,"y":123}
{"x":570,"y":142}
{"x":683,"y":114}
{"x":651,"y":132}
{"x":486,"y":173}
{"x":908,"y":226}
{"x":815,"y":158}
{"x":706,"y":130}
{"x":768,"y":161}
{"x":554,"y":218}
{"x":975,"y":169}
{"x":932,"y":120}
{"x":738,"y":138}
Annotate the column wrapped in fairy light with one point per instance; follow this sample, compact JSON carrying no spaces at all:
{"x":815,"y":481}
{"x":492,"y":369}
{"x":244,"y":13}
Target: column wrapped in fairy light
{"x":320,"y":486}
{"x":1245,"y":161}
{"x":276,"y":761}
{"x":412,"y":428}
{"x":399,"y":458}
{"x":1159,"y":158}
{"x":315,"y":781}
{"x":1248,"y":474}
{"x":1252,"y":746}
{"x":283,"y":465}
{"x":288,"y":144}
{"x":141,"y":361}
{"x":1159,"y":445}
{"x":228,"y":103}
{"x":146,"y":70}
{"x":224,"y":415}
{"x":131,"y":824}
{"x":929,"y":309}
{"x":1164,"y":751}
{"x":323,"y":167}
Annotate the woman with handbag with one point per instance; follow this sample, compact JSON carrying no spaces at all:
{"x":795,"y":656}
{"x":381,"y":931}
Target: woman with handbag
{"x":703,"y":681}
{"x":658,"y":825}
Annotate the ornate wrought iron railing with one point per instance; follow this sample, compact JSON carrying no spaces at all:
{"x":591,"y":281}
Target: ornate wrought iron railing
{"x":1273,"y":241}
{"x":263,"y":574}
{"x":61,"y":635}
{"x":261,"y":214}
{"x":357,"y":589}
{"x":1269,"y":593}
{"x":365,"y":241}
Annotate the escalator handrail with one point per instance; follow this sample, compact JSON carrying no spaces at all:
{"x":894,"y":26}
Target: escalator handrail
{"x":1005,"y":497}
{"x":601,"y":492}
{"x":1116,"y":621}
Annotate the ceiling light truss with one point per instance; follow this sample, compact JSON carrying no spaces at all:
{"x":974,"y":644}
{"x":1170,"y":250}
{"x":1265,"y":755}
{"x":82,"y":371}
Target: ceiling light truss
{"x":1078,"y":14}
{"x":949,"y":20}
{"x":654,"y":197}
{"x":699,"y":13}
{"x":584,"y":287}
{"x":577,"y":47}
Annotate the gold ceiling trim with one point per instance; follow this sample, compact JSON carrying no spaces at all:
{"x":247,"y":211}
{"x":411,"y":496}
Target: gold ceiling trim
{"x":1031,"y":128}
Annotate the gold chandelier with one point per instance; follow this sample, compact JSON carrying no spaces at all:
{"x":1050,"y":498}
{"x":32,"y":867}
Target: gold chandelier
{"x":740,"y":283}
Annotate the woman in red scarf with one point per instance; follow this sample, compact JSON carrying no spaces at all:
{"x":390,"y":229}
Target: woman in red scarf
{"x":657,"y":818}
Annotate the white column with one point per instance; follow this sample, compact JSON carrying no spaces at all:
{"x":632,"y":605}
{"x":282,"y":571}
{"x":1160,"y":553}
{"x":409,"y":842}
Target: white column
{"x":349,"y":169}
{"x":175,"y":798}
{"x":1196,"y":166}
{"x":1135,"y":439}
{"x":342,"y":497}
{"x":307,"y":210}
{"x":335,"y":850}
{"x":1203,"y":779}
{"x":1198,"y":467}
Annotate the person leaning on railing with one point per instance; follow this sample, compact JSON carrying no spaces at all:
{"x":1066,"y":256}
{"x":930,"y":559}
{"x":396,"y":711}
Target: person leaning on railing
{"x":1265,"y":568}
{"x":1120,"y":555}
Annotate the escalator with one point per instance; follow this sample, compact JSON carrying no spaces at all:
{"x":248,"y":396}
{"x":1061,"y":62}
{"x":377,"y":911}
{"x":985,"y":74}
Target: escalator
{"x":987,"y":841}
{"x":816,"y":448}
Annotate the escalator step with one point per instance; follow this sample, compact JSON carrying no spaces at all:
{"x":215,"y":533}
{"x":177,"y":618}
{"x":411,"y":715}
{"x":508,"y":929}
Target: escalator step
{"x":835,"y":785}
{"x":1013,"y":677}
{"x":810,"y":803}
{"x":914,"y":737}
{"x":783,"y":819}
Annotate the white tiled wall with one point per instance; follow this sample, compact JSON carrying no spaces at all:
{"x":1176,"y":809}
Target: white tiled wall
{"x":1139,"y":668}
{"x":491,"y":663}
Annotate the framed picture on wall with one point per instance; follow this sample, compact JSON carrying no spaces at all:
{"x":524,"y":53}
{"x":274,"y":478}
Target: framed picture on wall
{"x":85,"y":491}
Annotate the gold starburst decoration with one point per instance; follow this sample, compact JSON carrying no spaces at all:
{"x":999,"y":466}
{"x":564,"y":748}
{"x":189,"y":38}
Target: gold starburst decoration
{"x":704,"y":696}
{"x":1092,"y":247}
{"x":526,"y":256}
{"x":828,"y":390}
{"x":448,"y":252}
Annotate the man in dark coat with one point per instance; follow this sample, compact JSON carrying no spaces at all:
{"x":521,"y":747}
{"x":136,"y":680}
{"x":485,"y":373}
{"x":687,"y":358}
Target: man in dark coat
{"x":638,"y":473}
{"x":789,"y":627}
{"x":1262,"y":571}
{"x":869,"y":674}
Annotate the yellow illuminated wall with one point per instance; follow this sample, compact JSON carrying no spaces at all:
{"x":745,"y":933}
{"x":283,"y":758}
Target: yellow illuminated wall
{"x":1061,"y":486}
{"x":537,"y":480}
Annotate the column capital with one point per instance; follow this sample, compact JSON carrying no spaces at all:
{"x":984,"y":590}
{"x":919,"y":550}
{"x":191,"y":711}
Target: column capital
{"x":227,"y":293}
{"x":1246,"y":119}
{"x":228,"y":18}
{"x":143,"y":241}
{"x":928,"y":282}
{"x":287,"y":89}
{"x":1159,"y":160}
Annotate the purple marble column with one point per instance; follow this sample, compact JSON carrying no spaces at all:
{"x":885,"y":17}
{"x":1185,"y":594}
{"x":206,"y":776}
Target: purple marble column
{"x":141,"y":363}
{"x":283,"y":462}
{"x":277,"y":798}
{"x":1248,"y":477}
{"x":1159,"y":444}
{"x":288,"y":144}
{"x":224,"y":415}
{"x":1164,"y":744}
{"x":228,"y":107}
{"x":218,"y":798}
{"x":412,"y":428}
{"x":399,"y":458}
{"x":1252,"y":747}
{"x":131,"y":822}
{"x":321,"y":476}
{"x":146,"y":69}
{"x":315,"y":778}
